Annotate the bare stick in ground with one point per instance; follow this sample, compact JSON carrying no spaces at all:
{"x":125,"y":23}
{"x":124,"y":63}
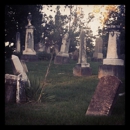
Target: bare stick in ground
{"x":44,"y":81}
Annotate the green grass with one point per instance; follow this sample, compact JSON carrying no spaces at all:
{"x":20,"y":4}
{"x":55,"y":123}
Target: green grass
{"x":65,"y":99}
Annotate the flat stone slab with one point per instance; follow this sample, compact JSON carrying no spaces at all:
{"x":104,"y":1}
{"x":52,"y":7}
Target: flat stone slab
{"x":61,"y":60}
{"x":81,"y":71}
{"x":114,"y":70}
{"x":104,"y":96}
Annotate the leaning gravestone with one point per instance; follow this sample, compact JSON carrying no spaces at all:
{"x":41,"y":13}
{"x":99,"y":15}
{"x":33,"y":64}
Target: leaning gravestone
{"x":62,"y":57}
{"x":17,"y":82}
{"x":98,"y":55}
{"x":82,"y":68}
{"x":112,"y":65}
{"x":104,"y":97}
{"x":29,"y":54}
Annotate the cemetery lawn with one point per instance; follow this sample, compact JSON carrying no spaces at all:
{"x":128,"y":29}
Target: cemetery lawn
{"x":65,"y":98}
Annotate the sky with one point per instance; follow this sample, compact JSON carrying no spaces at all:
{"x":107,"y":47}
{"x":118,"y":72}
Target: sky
{"x":101,"y":9}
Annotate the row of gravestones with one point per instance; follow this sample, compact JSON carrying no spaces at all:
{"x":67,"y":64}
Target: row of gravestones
{"x":109,"y":73}
{"x":29,"y":54}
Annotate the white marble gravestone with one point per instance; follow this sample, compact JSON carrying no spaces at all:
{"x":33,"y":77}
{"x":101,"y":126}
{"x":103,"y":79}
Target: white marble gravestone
{"x":18,"y":42}
{"x":98,"y":49}
{"x":82,"y":68}
{"x":29,"y":38}
{"x":112,"y":65}
{"x":65,"y":46}
{"x":82,"y":50}
{"x":112,"y":57}
{"x":63,"y":57}
{"x":18,"y":68}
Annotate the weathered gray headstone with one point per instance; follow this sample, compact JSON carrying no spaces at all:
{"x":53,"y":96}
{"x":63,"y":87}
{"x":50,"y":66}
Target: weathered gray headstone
{"x":18,"y":68}
{"x":14,"y":89}
{"x":18,"y":46}
{"x":29,"y":39}
{"x":82,"y":68}
{"x":10,"y":88}
{"x":29,"y":54}
{"x":104,"y":96}
{"x":75,"y":54}
{"x":98,"y":49}
{"x":40,"y":47}
{"x":112,"y":65}
{"x":63,"y":56}
{"x":112,"y":55}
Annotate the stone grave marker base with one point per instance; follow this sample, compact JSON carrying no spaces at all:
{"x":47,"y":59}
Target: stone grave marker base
{"x":11,"y":82}
{"x":10,"y":88}
{"x":61,"y":60}
{"x":112,"y":61}
{"x":105,"y":96}
{"x":81,"y":71}
{"x":114,"y":70}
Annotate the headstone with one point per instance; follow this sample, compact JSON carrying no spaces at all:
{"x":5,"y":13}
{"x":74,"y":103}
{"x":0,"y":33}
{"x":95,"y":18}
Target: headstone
{"x":18,"y":46}
{"x":63,"y":56}
{"x":14,"y":89}
{"x":29,"y":53}
{"x":75,"y":54}
{"x":112,"y":65}
{"x":104,"y":96}
{"x":10,"y":88}
{"x":98,"y":55}
{"x":56,"y":47}
{"x":82,"y":68}
{"x":40,"y":47}
{"x":18,"y":69}
{"x":112,"y":49}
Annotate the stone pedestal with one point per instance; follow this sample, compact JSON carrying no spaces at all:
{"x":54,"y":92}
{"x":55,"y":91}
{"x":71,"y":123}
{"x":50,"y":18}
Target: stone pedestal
{"x":113,"y":61}
{"x":114,"y":70}
{"x":14,"y":89}
{"x":82,"y":71}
